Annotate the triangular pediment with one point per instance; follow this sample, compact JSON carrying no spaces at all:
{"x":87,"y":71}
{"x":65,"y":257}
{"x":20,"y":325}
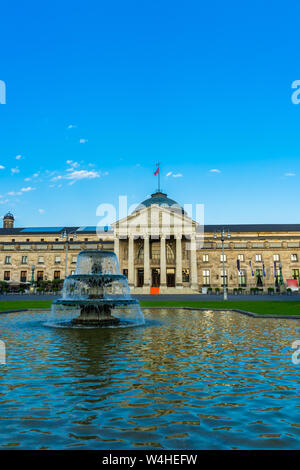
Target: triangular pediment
{"x":155,"y":220}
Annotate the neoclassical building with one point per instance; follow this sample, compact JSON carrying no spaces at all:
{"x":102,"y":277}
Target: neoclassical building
{"x":158,"y":245}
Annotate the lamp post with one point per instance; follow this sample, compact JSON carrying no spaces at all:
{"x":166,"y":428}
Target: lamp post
{"x":65,"y":235}
{"x":32,"y":278}
{"x":223,"y":236}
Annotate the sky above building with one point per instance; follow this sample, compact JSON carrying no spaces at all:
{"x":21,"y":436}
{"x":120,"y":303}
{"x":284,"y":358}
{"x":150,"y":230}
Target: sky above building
{"x":98,"y":92}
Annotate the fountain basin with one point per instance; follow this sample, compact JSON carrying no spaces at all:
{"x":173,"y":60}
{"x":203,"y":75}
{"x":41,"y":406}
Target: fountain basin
{"x":97,"y":291}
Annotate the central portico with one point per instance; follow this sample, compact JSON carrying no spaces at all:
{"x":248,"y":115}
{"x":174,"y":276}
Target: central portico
{"x":156,"y":246}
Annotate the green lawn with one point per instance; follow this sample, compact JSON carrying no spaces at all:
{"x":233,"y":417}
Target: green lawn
{"x":256,"y":306}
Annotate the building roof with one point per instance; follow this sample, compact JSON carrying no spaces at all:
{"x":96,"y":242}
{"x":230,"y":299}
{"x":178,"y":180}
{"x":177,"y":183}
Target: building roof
{"x":159,"y":198}
{"x":53,"y":230}
{"x":254,"y":228}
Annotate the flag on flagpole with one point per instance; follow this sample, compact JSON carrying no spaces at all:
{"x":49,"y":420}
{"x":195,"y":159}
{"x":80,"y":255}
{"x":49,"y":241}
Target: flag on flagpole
{"x":238,"y":265}
{"x":156,"y":171}
{"x":281,"y":281}
{"x":264,"y":272}
{"x":274,"y":268}
{"x":252,"y":272}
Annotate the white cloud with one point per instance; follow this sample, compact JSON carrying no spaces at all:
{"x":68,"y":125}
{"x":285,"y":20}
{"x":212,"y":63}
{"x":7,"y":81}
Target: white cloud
{"x":41,"y":211}
{"x":73,"y":164}
{"x":27,"y":179}
{"x":290,"y":174}
{"x":83,"y":141}
{"x":29,"y":188}
{"x":14,"y":193}
{"x":56,"y":178}
{"x":18,"y":157}
{"x":2,"y":167}
{"x":215,"y":170}
{"x":77,"y":175}
{"x":174,"y":175}
{"x":71,"y":126}
{"x":15,"y":170}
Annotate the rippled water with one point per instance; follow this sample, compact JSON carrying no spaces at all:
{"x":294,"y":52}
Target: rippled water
{"x":184,"y":380}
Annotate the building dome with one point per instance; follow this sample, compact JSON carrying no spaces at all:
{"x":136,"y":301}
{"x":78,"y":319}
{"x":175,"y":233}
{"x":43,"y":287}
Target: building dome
{"x":159,"y":198}
{"x":9,"y":216}
{"x":8,"y":220}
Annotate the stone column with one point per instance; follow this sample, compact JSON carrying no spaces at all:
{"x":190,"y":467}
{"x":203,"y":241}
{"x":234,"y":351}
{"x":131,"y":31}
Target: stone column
{"x":146,"y":261}
{"x":163,"y":268}
{"x":178,"y":262}
{"x":131,"y":261}
{"x":193,"y":263}
{"x":117,"y":247}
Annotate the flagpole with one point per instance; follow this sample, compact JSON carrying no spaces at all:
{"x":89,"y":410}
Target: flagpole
{"x":158,"y":181}
{"x":158,"y":164}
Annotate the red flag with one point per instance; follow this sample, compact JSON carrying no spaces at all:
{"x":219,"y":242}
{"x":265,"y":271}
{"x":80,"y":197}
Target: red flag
{"x":156,"y":172}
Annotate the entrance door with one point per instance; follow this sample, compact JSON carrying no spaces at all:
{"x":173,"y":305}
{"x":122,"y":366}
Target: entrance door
{"x":170,"y":277}
{"x":140,"y":278}
{"x":155,"y":278}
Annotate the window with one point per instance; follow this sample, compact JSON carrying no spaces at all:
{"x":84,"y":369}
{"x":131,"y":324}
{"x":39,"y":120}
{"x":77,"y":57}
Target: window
{"x":295,"y":274}
{"x":74,"y":259}
{"x":259,"y":278}
{"x":56,"y":274}
{"x":125,"y":272}
{"x":40,"y":275}
{"x":206,"y":277}
{"x":86,"y":239}
{"x":276,"y":257}
{"x":27,"y":239}
{"x":57,"y":259}
{"x":185,"y":275}
{"x":257,"y":257}
{"x":13,"y":240}
{"x":24,"y":260}
{"x":42,"y":239}
{"x":205,"y":258}
{"x":222,"y":278}
{"x":23,"y":276}
{"x":40,"y":259}
{"x":242,"y":278}
{"x":221,"y":258}
{"x":241,"y":257}
{"x":7,"y":259}
{"x":294,"y":257}
{"x":6,"y":275}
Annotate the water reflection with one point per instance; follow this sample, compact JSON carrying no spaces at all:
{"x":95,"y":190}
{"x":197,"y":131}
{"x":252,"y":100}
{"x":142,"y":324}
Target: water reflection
{"x":185,"y":380}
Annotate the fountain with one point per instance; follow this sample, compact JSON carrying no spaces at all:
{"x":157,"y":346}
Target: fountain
{"x":96,"y":291}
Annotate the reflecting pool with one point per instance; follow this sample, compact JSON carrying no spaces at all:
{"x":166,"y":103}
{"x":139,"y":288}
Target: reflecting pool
{"x":184,"y":380}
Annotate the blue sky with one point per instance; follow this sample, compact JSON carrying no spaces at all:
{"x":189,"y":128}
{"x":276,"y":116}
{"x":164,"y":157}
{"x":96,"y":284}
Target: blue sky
{"x":98,"y":92}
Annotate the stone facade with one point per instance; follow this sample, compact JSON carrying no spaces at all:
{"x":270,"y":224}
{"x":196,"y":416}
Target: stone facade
{"x":169,"y":256}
